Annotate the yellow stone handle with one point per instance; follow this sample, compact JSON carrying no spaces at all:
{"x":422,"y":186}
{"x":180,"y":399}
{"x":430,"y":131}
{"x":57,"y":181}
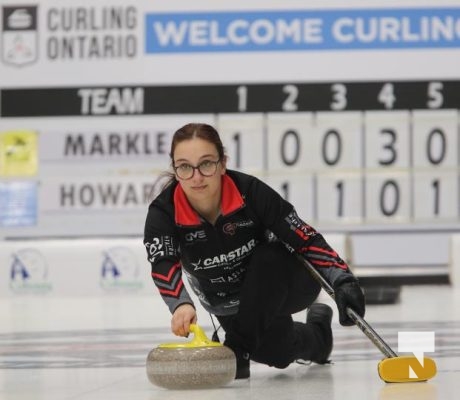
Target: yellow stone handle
{"x":199,"y":340}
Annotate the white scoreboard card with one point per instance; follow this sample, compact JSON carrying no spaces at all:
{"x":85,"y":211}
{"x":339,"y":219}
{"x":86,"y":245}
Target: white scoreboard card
{"x":298,"y":189}
{"x":388,"y":197}
{"x":338,"y":140}
{"x":435,"y":196}
{"x":290,"y":147}
{"x":339,"y":198}
{"x":244,"y":141}
{"x":387,"y":139}
{"x":435,"y":139}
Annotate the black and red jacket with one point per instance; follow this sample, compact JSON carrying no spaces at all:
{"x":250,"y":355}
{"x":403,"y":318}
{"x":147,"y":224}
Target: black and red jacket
{"x":215,"y":257}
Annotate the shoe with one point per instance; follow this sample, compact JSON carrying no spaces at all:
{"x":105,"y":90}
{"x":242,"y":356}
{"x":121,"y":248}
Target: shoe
{"x":242,"y":366}
{"x":321,"y":316}
{"x":242,"y":362}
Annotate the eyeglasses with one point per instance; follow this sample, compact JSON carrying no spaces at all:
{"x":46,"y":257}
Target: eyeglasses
{"x":186,"y":171}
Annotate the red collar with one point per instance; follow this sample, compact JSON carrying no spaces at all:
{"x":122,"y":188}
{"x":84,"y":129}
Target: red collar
{"x":186,"y":215}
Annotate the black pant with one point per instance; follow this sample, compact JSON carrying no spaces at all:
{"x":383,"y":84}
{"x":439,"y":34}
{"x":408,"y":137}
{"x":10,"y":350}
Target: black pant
{"x":276,"y":285}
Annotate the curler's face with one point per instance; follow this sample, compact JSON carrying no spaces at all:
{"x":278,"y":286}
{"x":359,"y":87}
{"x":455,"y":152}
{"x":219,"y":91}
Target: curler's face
{"x":198,"y":168}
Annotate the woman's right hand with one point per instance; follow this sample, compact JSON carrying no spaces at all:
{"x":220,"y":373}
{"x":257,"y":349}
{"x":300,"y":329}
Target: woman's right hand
{"x":183,"y":316}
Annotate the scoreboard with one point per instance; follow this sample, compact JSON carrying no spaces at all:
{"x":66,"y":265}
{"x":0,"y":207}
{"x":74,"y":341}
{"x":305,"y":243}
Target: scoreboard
{"x":351,"y":114}
{"x":345,"y":153}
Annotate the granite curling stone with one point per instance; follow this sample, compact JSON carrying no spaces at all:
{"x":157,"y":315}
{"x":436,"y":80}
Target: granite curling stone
{"x":198,"y":364}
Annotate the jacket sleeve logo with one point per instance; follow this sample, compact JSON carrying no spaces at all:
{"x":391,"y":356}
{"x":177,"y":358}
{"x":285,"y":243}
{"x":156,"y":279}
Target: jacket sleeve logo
{"x":160,"y":247}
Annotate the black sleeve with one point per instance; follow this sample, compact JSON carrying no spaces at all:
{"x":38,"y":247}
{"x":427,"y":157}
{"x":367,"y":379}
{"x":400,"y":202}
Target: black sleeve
{"x":163,"y":254}
{"x":280,"y":217}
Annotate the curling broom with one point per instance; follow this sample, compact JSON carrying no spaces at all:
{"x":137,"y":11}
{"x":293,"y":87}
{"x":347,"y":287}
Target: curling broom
{"x":393,"y":368}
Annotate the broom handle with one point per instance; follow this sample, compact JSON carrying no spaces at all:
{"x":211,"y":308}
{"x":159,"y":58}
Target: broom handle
{"x":359,"y":321}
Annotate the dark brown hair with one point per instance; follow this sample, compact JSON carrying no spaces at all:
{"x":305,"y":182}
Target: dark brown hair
{"x":188,"y":132}
{"x":196,"y":130}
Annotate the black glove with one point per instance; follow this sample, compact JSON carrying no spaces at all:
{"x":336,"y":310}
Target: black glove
{"x":349,"y":294}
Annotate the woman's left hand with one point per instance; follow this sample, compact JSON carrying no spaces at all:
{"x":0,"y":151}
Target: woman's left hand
{"x":349,"y":294}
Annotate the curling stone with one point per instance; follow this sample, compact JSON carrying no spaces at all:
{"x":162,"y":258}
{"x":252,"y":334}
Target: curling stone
{"x":198,"y":364}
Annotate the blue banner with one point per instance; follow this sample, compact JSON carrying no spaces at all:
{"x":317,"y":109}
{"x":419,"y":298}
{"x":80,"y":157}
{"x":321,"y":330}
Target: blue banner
{"x":302,"y":30}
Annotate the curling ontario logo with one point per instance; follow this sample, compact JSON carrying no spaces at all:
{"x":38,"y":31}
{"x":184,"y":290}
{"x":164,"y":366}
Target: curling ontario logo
{"x":120,"y":270}
{"x":29,"y":272}
{"x":19,"y":35}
